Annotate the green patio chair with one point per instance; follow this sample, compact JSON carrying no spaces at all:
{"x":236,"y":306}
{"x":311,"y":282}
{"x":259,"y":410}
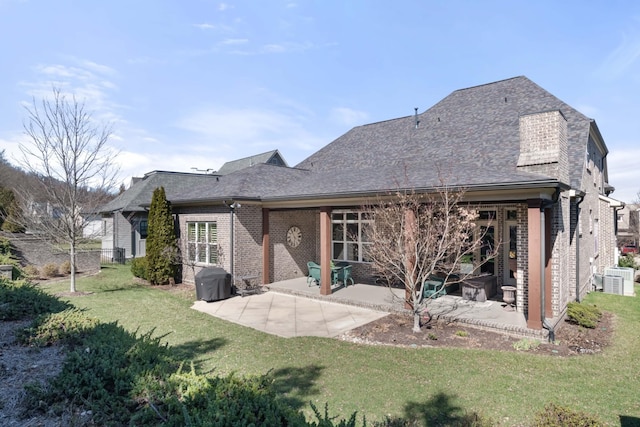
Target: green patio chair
{"x":433,"y":288}
{"x":314,"y":273}
{"x":344,"y":273}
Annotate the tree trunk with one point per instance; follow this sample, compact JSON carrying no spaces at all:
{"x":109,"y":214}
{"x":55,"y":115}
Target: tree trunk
{"x":416,"y":321}
{"x":72,"y":260}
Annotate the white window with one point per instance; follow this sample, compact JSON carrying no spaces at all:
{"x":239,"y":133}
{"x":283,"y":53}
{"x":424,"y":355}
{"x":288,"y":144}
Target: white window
{"x":202,"y":242}
{"x":350,"y":241}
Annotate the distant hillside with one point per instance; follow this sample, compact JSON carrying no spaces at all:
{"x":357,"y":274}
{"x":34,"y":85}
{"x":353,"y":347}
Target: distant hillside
{"x":21,"y":182}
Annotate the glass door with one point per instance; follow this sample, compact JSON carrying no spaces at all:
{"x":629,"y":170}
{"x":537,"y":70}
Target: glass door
{"x":510,"y":254}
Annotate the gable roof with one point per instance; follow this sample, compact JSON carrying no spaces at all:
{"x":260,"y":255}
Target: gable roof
{"x":270,"y":157}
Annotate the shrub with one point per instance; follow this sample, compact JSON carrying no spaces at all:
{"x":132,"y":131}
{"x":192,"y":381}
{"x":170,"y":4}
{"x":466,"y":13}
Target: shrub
{"x":187,"y":398}
{"x":129,"y":380}
{"x":31,"y":272}
{"x":66,"y":326}
{"x":50,"y":270}
{"x":5,"y":246}
{"x":139,"y":267}
{"x":628,"y":261}
{"x":23,"y":300}
{"x":584,"y":315}
{"x":65,"y":267}
{"x":557,"y":416}
{"x":526,"y":344}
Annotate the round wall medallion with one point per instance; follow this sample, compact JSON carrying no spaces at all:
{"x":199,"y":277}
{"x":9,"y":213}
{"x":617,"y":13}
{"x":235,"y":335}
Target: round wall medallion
{"x":294,"y":236}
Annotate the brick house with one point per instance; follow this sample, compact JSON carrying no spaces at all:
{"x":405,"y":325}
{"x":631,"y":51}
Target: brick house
{"x":534,"y":167}
{"x":124,"y":219}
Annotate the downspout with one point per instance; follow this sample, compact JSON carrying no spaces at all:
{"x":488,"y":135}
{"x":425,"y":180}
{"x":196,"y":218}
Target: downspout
{"x":232,"y":209}
{"x":616,"y":256}
{"x":581,"y":196}
{"x":543,"y":252}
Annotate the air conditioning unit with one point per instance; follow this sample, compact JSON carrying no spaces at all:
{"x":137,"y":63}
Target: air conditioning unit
{"x":596,"y":281}
{"x":627,"y":273}
{"x":613,"y":284}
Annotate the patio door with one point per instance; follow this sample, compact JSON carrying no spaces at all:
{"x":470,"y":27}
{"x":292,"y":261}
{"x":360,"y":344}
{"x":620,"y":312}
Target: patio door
{"x":510,"y":251}
{"x":487,"y":266}
{"x":483,"y":264}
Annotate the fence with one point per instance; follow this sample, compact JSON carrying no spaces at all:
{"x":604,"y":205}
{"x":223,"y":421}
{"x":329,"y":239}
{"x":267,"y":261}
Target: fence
{"x":113,"y":256}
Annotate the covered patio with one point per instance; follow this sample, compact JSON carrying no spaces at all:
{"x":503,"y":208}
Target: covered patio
{"x":490,"y":314}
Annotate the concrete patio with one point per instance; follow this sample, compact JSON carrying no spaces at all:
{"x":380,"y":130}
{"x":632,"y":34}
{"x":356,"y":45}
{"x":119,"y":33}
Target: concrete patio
{"x":487,"y":315}
{"x":293,"y":308}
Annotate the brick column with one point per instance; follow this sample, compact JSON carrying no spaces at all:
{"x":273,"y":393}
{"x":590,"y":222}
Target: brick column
{"x":325,"y":250}
{"x":266,"y":250}
{"x":534,"y":280}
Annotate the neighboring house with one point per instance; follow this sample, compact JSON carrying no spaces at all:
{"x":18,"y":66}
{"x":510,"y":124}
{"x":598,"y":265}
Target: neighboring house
{"x":270,"y":158}
{"x":92,"y":226}
{"x":533,"y":166}
{"x":628,"y":224}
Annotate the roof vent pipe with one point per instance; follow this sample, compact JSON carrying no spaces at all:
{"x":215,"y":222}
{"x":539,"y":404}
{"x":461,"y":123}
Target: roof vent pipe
{"x":416,"y":117}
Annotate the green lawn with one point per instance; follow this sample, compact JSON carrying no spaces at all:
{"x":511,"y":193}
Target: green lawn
{"x":377,"y":381}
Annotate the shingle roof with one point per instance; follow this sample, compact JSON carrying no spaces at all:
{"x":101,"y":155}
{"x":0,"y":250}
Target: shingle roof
{"x":472,"y":135}
{"x":140,"y":193}
{"x":470,"y":138}
{"x":272,"y":157}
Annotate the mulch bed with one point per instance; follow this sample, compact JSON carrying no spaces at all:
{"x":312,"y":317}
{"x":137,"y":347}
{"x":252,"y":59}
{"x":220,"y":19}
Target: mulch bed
{"x":396,"y":330}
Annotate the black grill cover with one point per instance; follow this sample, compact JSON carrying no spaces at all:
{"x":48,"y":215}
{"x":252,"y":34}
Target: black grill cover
{"x":212,"y":284}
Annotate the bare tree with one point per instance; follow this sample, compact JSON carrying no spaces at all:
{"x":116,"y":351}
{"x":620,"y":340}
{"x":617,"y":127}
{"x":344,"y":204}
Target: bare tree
{"x":74,"y":166}
{"x":416,"y":237}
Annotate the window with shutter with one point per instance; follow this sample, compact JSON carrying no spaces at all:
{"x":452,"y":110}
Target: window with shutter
{"x":202,"y":242}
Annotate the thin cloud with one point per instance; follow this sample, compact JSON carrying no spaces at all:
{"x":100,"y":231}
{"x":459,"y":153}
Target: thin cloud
{"x":234,"y":42}
{"x":250,"y":128}
{"x":624,"y":173}
{"x":622,"y":58}
{"x":348,"y":116}
{"x":205,"y":26}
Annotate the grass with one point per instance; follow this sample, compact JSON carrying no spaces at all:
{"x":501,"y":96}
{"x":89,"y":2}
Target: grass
{"x":509,"y":387}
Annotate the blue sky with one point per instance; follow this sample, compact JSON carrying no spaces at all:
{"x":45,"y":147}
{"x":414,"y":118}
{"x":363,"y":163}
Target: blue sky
{"x":194,"y":83}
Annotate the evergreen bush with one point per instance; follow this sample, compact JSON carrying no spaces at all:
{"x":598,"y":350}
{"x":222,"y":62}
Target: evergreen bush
{"x":139,"y":267}
{"x":162,"y":248}
{"x":558,"y":416}
{"x":584,"y":315}
{"x":23,"y":300}
{"x":5,"y":246}
{"x":628,"y":261}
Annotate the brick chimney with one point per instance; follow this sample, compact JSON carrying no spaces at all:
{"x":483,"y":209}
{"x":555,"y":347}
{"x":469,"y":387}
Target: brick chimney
{"x":543,"y":144}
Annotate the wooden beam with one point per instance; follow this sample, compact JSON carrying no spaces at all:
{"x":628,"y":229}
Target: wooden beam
{"x":534,"y":279}
{"x":325,"y":250}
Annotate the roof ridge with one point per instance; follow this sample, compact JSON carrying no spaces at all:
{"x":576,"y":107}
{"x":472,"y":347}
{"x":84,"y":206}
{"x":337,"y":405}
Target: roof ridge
{"x":491,"y":83}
